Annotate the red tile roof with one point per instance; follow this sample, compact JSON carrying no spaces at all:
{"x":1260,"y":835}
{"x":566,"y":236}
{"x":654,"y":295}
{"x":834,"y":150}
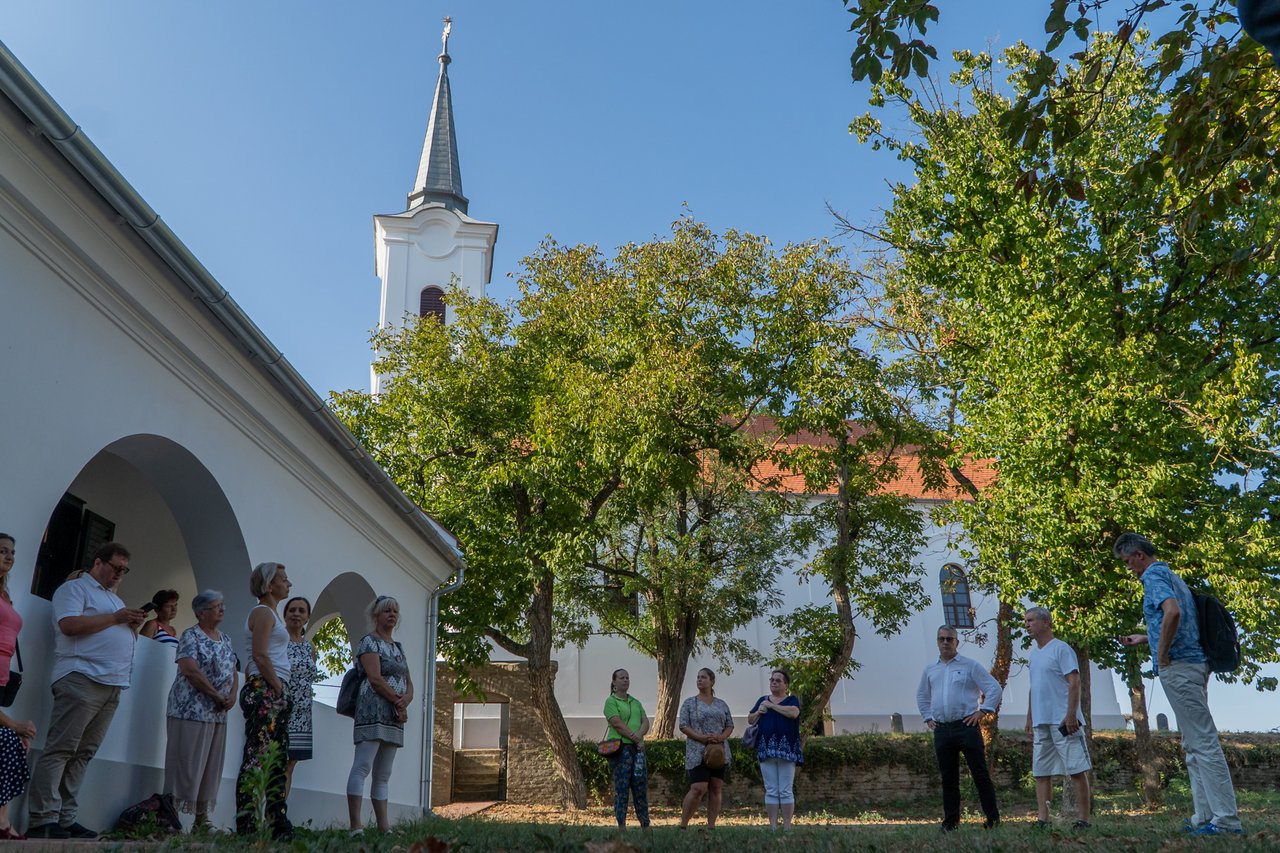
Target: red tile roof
{"x":909,"y":482}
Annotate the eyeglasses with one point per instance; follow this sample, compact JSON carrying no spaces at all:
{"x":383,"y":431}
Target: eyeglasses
{"x":946,"y":639}
{"x":119,"y":568}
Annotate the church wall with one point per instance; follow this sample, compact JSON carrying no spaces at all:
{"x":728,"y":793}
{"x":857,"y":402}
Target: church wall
{"x":884,"y":684}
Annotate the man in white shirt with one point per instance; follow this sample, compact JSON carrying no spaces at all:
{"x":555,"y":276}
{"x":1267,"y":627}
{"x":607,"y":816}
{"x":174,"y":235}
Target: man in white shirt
{"x":93,"y":659}
{"x":948,"y":698}
{"x":1054,"y":720}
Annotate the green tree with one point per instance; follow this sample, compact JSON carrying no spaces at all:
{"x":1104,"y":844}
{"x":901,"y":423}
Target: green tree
{"x":621,"y":375}
{"x":1219,"y":88}
{"x":864,"y":537}
{"x":1116,"y":358}
{"x":333,"y":647}
{"x":682,"y":577}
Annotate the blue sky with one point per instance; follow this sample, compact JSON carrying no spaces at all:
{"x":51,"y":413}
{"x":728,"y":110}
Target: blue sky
{"x":268,"y":134}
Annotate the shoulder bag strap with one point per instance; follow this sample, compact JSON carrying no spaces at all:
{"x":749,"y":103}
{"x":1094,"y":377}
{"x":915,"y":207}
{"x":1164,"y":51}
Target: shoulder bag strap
{"x":17,"y":653}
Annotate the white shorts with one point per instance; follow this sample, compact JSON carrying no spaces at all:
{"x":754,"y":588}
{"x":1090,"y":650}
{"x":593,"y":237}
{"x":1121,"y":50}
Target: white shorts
{"x":1056,"y":754}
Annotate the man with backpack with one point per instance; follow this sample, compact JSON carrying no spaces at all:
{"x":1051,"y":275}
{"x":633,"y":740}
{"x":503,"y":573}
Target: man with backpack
{"x":1173,"y":633}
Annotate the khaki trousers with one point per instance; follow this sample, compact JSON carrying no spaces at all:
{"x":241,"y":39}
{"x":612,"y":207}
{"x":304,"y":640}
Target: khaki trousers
{"x":1186,"y":686}
{"x":82,"y":711}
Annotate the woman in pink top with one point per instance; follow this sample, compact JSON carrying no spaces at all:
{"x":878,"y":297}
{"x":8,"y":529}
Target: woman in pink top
{"x":15,"y":735}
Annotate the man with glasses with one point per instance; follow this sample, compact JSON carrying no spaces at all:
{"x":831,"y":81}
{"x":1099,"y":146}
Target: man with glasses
{"x":93,"y":658}
{"x":948,"y":698}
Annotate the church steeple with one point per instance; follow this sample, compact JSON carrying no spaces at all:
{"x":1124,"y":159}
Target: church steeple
{"x":439,"y":175}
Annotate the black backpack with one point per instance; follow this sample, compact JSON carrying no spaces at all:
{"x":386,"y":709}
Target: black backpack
{"x":156,"y":814}
{"x":1218,"y":635}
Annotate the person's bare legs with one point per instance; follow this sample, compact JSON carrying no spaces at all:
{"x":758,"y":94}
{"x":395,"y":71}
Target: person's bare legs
{"x":354,"y":802}
{"x":1044,"y":790}
{"x":691,"y":801}
{"x":714,"y":789}
{"x":1083,"y":800}
{"x":380,"y":814}
{"x":788,"y":809}
{"x":771,"y":809}
{"x":288,"y":776}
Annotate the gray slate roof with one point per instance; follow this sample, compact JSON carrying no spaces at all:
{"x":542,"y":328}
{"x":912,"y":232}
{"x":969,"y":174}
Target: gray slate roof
{"x":439,"y":175}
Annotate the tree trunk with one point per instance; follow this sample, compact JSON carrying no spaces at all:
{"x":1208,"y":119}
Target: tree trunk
{"x":838,"y":664}
{"x":673,"y":665}
{"x":1000,"y":667}
{"x":542,"y":684}
{"x":1152,"y":791}
{"x":1086,"y":708}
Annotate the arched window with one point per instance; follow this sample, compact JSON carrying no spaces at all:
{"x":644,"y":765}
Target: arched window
{"x":431,"y":303}
{"x":957,"y":608}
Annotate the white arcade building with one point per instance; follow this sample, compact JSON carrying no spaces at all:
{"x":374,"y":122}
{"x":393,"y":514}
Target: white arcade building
{"x":142,"y":405}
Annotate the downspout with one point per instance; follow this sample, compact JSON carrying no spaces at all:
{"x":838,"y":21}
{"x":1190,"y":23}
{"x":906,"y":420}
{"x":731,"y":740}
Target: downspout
{"x":429,"y":712}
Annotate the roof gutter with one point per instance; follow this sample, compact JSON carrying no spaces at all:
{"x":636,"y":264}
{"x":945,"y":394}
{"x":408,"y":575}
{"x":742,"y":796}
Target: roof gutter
{"x":67,"y":137}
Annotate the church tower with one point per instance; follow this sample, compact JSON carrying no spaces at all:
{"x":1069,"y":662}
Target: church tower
{"x":420,"y":252}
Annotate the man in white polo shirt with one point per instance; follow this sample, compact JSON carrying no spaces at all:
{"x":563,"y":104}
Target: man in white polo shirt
{"x":1054,"y":719}
{"x":93,"y":658}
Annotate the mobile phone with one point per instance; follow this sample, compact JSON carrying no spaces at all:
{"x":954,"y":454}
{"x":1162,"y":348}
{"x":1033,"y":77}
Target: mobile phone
{"x":1062,"y":729}
{"x":148,"y":607}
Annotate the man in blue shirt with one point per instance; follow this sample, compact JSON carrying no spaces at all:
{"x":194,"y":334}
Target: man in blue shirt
{"x":948,"y":698}
{"x":1173,"y":633}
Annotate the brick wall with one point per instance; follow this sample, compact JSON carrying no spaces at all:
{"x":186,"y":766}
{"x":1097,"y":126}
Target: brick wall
{"x":531,"y":774}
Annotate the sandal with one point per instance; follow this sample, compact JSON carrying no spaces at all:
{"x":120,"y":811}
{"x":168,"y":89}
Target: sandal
{"x":8,"y":833}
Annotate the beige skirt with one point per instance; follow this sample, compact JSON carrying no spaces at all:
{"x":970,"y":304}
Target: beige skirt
{"x":193,"y":764}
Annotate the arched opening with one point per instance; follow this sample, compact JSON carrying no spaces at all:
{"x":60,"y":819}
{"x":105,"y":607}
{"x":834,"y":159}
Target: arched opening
{"x":431,"y":303}
{"x":957,"y":606}
{"x":345,"y":597}
{"x":155,"y":497}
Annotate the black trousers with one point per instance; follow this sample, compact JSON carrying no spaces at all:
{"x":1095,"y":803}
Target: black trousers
{"x":950,"y":740}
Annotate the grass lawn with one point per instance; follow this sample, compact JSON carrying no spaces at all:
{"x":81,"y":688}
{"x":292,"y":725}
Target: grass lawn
{"x":1120,"y":824}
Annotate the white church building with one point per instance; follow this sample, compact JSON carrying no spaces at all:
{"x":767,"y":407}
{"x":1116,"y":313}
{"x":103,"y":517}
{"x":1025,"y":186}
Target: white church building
{"x":142,"y":405}
{"x":420,"y":251}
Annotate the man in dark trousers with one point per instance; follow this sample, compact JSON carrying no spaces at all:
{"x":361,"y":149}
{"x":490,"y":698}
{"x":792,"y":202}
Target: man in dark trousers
{"x":948,"y":698}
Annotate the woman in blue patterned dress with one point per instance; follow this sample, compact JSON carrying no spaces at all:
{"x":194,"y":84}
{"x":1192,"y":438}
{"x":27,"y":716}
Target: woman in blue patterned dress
{"x":778,"y":746}
{"x":203,"y":691}
{"x":382,"y":706}
{"x":302,"y":675}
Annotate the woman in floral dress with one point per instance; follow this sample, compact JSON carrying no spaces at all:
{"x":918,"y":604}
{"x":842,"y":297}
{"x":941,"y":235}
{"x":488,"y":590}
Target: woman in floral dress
{"x":304,"y":673}
{"x":382,"y":706}
{"x":202,"y":693}
{"x":266,"y":707}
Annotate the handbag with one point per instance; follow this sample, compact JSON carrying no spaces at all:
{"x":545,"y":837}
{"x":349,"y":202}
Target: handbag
{"x":609,"y":747}
{"x":9,"y":692}
{"x":751,"y":735}
{"x":349,"y":692}
{"x":713,"y":755}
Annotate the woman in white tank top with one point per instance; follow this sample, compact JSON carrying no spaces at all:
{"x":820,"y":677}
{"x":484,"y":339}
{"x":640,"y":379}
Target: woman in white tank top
{"x":265,"y":704}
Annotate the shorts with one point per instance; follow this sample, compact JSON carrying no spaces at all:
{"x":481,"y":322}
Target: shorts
{"x":1056,"y":754}
{"x":703,"y":773}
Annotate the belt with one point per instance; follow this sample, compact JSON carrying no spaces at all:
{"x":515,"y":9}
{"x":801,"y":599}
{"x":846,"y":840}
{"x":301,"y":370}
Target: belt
{"x":959,"y":722}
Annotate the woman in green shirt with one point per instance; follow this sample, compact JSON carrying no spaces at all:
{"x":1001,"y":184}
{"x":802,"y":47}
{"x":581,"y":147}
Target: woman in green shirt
{"x":628,"y":723}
